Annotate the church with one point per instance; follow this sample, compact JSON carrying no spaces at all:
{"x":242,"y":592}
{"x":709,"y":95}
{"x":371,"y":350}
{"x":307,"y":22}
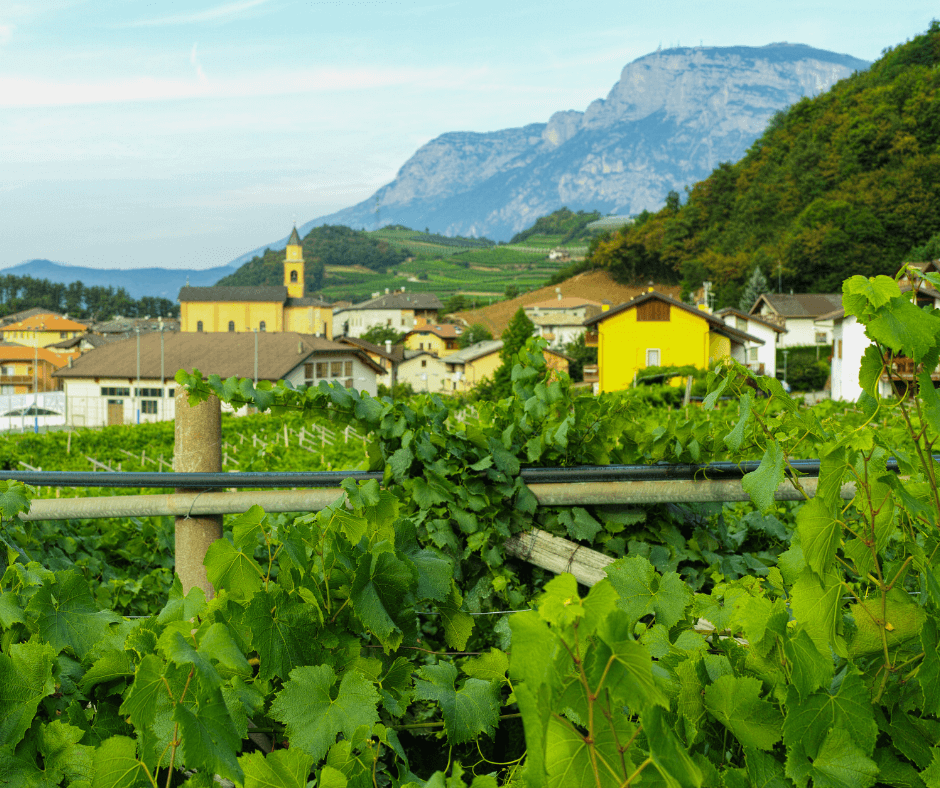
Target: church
{"x":259,"y":308}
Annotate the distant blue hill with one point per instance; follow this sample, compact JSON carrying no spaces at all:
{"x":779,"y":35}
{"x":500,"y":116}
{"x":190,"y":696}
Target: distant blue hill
{"x":138,"y":282}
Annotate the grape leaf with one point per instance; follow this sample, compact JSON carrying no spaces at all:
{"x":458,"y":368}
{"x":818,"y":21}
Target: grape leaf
{"x":313,"y":718}
{"x":816,"y":603}
{"x":233,"y":569}
{"x":820,"y":534}
{"x":379,"y":592}
{"x":207,"y":732}
{"x":280,"y":768}
{"x":468,"y":711}
{"x":282,"y":632}
{"x":65,"y":614}
{"x":116,"y":764}
{"x":62,"y":754}
{"x":840,"y":763}
{"x":736,"y":703}
{"x":25,"y":679}
{"x":809,"y":669}
{"x":489,"y":666}
{"x":13,"y":498}
{"x":247,"y":528}
{"x":762,"y":483}
{"x":668,"y":756}
{"x":458,"y":624}
{"x":643,"y":590}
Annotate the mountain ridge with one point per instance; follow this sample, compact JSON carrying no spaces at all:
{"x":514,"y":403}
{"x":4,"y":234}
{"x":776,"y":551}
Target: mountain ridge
{"x":667,"y":122}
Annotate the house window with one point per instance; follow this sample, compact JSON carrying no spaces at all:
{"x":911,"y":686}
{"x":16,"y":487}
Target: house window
{"x":424,"y":362}
{"x":840,"y":348}
{"x":231,"y":325}
{"x":653,"y":310}
{"x":752,"y":354}
{"x":63,"y":335}
{"x":262,"y":326}
{"x":149,"y":406}
{"x":347,"y":368}
{"x":740,"y":323}
{"x":115,"y":391}
{"x":421,"y":346}
{"x":336,"y":369}
{"x":652,"y":355}
{"x":293,"y":276}
{"x":323,"y":369}
{"x":199,"y":326}
{"x":148,"y":393}
{"x":820,"y":337}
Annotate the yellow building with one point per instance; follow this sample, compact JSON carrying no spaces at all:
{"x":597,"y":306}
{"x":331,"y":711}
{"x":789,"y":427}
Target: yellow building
{"x":259,"y":308}
{"x":468,"y":367}
{"x":654,"y":330}
{"x":25,"y":369}
{"x":442,"y":339}
{"x":41,"y":330}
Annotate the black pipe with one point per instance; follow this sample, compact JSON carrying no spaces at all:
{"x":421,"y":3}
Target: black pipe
{"x":575,"y":475}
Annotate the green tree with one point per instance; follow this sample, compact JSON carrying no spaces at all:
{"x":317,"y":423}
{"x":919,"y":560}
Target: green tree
{"x":756,"y":286}
{"x":476,"y":333}
{"x":379,"y":335}
{"x":581,"y":355}
{"x":519,"y":330}
{"x":930,"y":250}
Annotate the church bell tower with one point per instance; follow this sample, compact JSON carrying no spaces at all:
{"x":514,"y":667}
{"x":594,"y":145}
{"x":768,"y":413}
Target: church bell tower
{"x":294,"y":266}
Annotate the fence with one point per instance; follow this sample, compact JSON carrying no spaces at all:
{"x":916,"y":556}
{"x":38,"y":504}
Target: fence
{"x":203,"y":493}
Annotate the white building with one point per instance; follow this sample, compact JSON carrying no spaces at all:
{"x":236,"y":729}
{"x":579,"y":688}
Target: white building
{"x":561,"y":320}
{"x":759,"y":357}
{"x":848,"y":346}
{"x":400,"y":310}
{"x":800,"y":314}
{"x":125,"y":383}
{"x":422,"y":370}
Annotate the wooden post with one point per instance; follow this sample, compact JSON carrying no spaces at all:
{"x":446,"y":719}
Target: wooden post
{"x":197,"y":448}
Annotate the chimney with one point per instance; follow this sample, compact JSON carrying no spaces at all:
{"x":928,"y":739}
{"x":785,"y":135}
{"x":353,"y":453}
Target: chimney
{"x":558,"y":290}
{"x":605,"y":306}
{"x":70,"y":362}
{"x":388,"y":346}
{"x":300,"y":348}
{"x":386,"y":291}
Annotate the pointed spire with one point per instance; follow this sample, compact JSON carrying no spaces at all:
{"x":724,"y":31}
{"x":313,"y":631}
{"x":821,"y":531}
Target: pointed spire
{"x":294,"y":239}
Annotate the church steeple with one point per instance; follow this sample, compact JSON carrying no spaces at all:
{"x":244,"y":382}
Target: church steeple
{"x":294,"y":266}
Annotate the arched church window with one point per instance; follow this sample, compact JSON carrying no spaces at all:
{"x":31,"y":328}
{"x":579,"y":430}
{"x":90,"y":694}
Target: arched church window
{"x":199,"y":326}
{"x":231,"y":325}
{"x":262,"y":326}
{"x":293,"y":276}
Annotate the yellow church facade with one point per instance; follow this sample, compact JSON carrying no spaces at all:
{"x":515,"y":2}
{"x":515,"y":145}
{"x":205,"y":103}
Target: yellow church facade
{"x":258,"y":308}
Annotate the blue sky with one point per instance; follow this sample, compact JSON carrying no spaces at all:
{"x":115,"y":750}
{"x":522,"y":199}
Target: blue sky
{"x":183,"y":134}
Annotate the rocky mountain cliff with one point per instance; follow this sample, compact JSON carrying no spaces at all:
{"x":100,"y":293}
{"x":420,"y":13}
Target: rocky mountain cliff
{"x":669,"y":120}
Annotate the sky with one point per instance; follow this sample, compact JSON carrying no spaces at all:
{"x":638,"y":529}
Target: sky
{"x":183,"y":134}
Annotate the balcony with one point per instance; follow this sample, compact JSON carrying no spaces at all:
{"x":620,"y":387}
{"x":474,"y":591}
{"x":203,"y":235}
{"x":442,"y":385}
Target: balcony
{"x":906,"y":369}
{"x":591,"y":338}
{"x":17,"y":380}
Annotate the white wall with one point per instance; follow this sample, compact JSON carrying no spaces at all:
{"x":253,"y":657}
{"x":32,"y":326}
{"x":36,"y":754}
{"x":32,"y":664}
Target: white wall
{"x":845,"y":370}
{"x":88,"y":408}
{"x":426,"y":376}
{"x":361,"y":320}
{"x":364,"y":377}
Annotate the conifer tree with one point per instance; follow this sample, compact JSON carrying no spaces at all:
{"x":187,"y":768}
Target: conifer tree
{"x":514,"y":338}
{"x":756,"y":286}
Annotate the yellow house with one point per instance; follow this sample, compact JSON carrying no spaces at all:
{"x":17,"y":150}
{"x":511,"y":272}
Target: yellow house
{"x":655,"y":330}
{"x":24,"y":369}
{"x":468,"y":367}
{"x":41,"y":330}
{"x":440,"y":339}
{"x":259,"y":308}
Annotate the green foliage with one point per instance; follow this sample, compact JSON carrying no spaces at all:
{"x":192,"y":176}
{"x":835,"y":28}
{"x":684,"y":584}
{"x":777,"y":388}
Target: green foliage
{"x":580,"y":355}
{"x":756,"y":286}
{"x":564,"y":222}
{"x":475,"y":333}
{"x":517,"y":333}
{"x":78,"y":300}
{"x":838,"y":184}
{"x":792,"y":645}
{"x":378,"y":335}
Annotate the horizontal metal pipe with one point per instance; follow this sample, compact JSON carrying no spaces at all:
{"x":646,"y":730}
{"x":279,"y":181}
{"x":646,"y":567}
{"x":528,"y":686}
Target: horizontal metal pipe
{"x":583,"y":494}
{"x":195,"y":504}
{"x":531,"y":476}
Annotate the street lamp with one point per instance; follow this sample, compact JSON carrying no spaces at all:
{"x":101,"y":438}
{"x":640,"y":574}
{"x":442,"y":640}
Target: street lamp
{"x":785,"y":365}
{"x":249,"y":328}
{"x":137,"y":392}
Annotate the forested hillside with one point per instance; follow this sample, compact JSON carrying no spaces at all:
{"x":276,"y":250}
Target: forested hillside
{"x":77,"y":300}
{"x":840,"y":184}
{"x":327,"y":245}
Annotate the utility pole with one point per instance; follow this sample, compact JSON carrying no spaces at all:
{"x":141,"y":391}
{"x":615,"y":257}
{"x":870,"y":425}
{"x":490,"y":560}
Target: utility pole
{"x":162,"y":377}
{"x":137,"y":392}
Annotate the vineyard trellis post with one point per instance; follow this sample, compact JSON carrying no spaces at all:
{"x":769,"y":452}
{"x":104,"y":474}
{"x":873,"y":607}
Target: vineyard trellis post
{"x":197,"y":448}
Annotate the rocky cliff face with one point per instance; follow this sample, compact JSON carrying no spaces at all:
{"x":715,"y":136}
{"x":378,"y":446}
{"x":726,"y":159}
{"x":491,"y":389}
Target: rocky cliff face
{"x":669,"y":120}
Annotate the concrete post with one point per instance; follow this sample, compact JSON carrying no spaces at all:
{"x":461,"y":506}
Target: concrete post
{"x":197,"y":448}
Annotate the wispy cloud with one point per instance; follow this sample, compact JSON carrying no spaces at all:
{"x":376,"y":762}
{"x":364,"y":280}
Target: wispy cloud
{"x":197,"y":65}
{"x":27,"y":91}
{"x":6,"y":33}
{"x":219,"y":13}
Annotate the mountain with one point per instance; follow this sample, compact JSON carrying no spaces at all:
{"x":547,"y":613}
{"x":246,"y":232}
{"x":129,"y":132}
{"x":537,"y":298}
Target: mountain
{"x":669,"y":120}
{"x":844,"y":183}
{"x":138,"y":282}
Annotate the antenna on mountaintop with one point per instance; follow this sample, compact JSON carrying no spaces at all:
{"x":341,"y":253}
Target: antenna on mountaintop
{"x":378,"y":222}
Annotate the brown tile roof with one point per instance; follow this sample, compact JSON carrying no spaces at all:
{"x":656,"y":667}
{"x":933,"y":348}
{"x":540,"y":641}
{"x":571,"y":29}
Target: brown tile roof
{"x":15,"y":317}
{"x":799,"y":304}
{"x":306,"y":301}
{"x":44,"y":321}
{"x":442,"y":330}
{"x":265,"y":293}
{"x":224,"y":354}
{"x":21,"y":353}
{"x":401,"y":301}
{"x":369,"y":347}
